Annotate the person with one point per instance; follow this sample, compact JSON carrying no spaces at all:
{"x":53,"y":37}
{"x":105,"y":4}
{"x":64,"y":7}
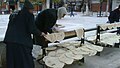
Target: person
{"x":62,"y":11}
{"x":19,"y":43}
{"x":83,"y":9}
{"x":71,"y":9}
{"x":115,"y":17}
{"x":45,"y":21}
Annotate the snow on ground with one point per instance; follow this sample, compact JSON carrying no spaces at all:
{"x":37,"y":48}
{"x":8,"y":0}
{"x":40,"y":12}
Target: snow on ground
{"x":84,"y":21}
{"x":79,"y":20}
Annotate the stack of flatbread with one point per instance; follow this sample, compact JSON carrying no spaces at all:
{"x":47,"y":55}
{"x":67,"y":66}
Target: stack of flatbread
{"x":106,"y":38}
{"x":109,"y":26}
{"x":68,"y":52}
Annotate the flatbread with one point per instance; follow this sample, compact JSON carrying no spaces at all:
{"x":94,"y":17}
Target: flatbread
{"x":92,"y":53}
{"x":52,"y":54}
{"x":51,"y":48}
{"x":71,"y":47}
{"x":80,"y":33}
{"x":85,"y":49}
{"x":44,"y":59}
{"x":110,"y":26}
{"x":115,"y":25}
{"x":73,"y":56}
{"x":78,"y":51}
{"x":63,"y":58}
{"x":94,"y":47}
{"x":54,"y":62}
{"x":59,"y":52}
{"x":74,"y":43}
{"x":51,"y":37}
{"x":59,"y":36}
{"x":118,"y":24}
{"x":103,"y":27}
{"x":110,"y":38}
{"x":55,"y":37}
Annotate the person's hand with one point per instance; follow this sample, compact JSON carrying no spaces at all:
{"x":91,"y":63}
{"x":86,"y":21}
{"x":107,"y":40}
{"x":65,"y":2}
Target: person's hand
{"x":43,"y":34}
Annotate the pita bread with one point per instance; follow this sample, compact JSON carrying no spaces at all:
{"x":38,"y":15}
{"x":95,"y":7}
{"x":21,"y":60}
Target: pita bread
{"x":59,"y":36}
{"x":78,"y":51}
{"x":75,"y":43}
{"x":73,"y":56}
{"x":55,"y":37}
{"x":103,"y":27}
{"x":110,"y":26}
{"x":59,"y":52}
{"x":80,"y":33}
{"x":107,"y":38}
{"x":54,"y":62}
{"x":115,"y":25}
{"x":92,"y":53}
{"x":52,"y":54}
{"x":71,"y":47}
{"x":51,"y":48}
{"x":110,"y":38}
{"x":118,"y":24}
{"x":110,"y":41}
{"x":44,"y":59}
{"x":51,"y":37}
{"x":63,"y":58}
{"x":94,"y":47}
{"x":85,"y":49}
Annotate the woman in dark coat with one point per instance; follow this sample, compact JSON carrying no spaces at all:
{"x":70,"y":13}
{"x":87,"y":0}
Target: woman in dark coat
{"x":45,"y":20}
{"x":114,"y":15}
{"x":18,"y":38}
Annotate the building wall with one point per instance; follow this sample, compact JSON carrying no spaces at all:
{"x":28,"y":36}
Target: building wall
{"x":96,"y":7}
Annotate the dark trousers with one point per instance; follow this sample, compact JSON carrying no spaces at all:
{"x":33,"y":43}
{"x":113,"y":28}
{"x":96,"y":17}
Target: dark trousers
{"x":19,"y":56}
{"x":71,"y":14}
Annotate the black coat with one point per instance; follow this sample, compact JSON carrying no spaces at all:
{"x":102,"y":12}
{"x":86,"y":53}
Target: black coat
{"x":114,"y":16}
{"x":20,"y":29}
{"x":44,"y":22}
